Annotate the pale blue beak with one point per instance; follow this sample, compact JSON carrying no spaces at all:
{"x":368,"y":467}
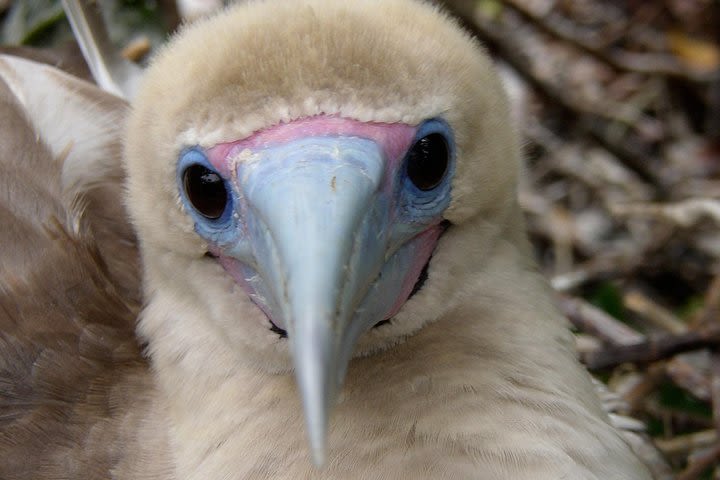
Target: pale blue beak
{"x":314,"y":228}
{"x":318,"y":218}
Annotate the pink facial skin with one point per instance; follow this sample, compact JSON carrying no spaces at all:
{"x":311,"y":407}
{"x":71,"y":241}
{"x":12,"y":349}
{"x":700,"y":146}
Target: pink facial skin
{"x":426,"y":243}
{"x":394,"y":138}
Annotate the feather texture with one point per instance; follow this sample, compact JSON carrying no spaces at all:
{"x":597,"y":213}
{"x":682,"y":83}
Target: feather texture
{"x":75,"y":390}
{"x":475,"y":377}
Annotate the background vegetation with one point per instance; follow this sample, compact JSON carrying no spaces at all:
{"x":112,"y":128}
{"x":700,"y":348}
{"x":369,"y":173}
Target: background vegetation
{"x":619,"y":105}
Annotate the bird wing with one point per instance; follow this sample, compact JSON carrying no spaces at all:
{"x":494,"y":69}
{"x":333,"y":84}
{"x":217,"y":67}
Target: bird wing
{"x":73,"y":382}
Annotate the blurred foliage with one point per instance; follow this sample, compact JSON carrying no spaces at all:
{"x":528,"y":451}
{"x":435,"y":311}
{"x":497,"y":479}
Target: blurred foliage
{"x":42,"y":23}
{"x":35,"y":22}
{"x":608,"y":297}
{"x":675,"y":398}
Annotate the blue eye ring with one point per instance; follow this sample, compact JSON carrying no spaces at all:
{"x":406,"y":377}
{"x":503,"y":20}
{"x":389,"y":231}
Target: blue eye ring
{"x":210,"y":214}
{"x":429,"y":160}
{"x":423,"y":200}
{"x":205,"y":190}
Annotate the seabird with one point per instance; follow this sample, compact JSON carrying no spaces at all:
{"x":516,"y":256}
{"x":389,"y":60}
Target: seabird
{"x":334,"y":278}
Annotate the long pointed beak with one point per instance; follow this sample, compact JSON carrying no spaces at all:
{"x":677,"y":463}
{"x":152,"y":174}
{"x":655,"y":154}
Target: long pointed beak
{"x":317,"y":218}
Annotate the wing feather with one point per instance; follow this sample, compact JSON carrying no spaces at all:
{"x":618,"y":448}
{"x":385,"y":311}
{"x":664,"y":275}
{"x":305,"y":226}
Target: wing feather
{"x":74,"y":385}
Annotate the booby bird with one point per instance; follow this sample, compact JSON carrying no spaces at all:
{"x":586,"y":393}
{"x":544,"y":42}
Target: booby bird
{"x":324,"y":196}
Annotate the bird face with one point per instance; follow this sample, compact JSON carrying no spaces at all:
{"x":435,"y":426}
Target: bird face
{"x":327,"y":224}
{"x":324,"y":217}
{"x":291,"y":191}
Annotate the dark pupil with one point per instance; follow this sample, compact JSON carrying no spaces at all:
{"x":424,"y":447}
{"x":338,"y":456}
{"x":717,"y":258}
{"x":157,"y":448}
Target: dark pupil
{"x":205,"y":190}
{"x":427,"y":161}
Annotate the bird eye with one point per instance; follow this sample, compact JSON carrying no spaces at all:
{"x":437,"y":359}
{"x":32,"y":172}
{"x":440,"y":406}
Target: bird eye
{"x":206,"y":191}
{"x":428,"y":161}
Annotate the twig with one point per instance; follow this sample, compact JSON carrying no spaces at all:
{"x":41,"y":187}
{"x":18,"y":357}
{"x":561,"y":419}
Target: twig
{"x":651,"y":350}
{"x":632,"y":156}
{"x":639,"y":392}
{"x":593,"y":320}
{"x":715,"y":389}
{"x":689,"y":376}
{"x":684,"y":214}
{"x":603,"y":266}
{"x":710,"y":311}
{"x":700,"y":463}
{"x":646,"y":63}
{"x":682,"y":444}
{"x":658,"y":315}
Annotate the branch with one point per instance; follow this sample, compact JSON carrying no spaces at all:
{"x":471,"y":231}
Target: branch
{"x":653,"y":349}
{"x":591,"y":319}
{"x":591,"y":119}
{"x":644,"y":63}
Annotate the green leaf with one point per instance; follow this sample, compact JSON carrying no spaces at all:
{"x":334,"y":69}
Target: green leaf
{"x":33,"y":22}
{"x":608,"y":297}
{"x":674,"y":397}
{"x":490,"y":9}
{"x":691,"y":306}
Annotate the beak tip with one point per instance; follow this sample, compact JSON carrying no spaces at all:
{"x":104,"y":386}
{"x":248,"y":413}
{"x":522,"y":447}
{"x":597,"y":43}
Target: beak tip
{"x":317,"y":433}
{"x":318,"y":456}
{"x":315,"y":359}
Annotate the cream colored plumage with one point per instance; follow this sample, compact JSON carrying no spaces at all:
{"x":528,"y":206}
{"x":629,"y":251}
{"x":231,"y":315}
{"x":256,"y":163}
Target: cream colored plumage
{"x":475,"y":377}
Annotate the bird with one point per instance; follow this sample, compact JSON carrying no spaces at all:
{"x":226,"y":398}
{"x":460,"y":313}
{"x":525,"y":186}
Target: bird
{"x":297,"y":253}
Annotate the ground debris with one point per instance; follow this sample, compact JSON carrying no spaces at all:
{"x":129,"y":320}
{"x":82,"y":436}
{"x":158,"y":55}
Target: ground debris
{"x":619,"y":103}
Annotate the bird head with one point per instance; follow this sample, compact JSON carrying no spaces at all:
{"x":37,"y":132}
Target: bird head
{"x":304,"y":176}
